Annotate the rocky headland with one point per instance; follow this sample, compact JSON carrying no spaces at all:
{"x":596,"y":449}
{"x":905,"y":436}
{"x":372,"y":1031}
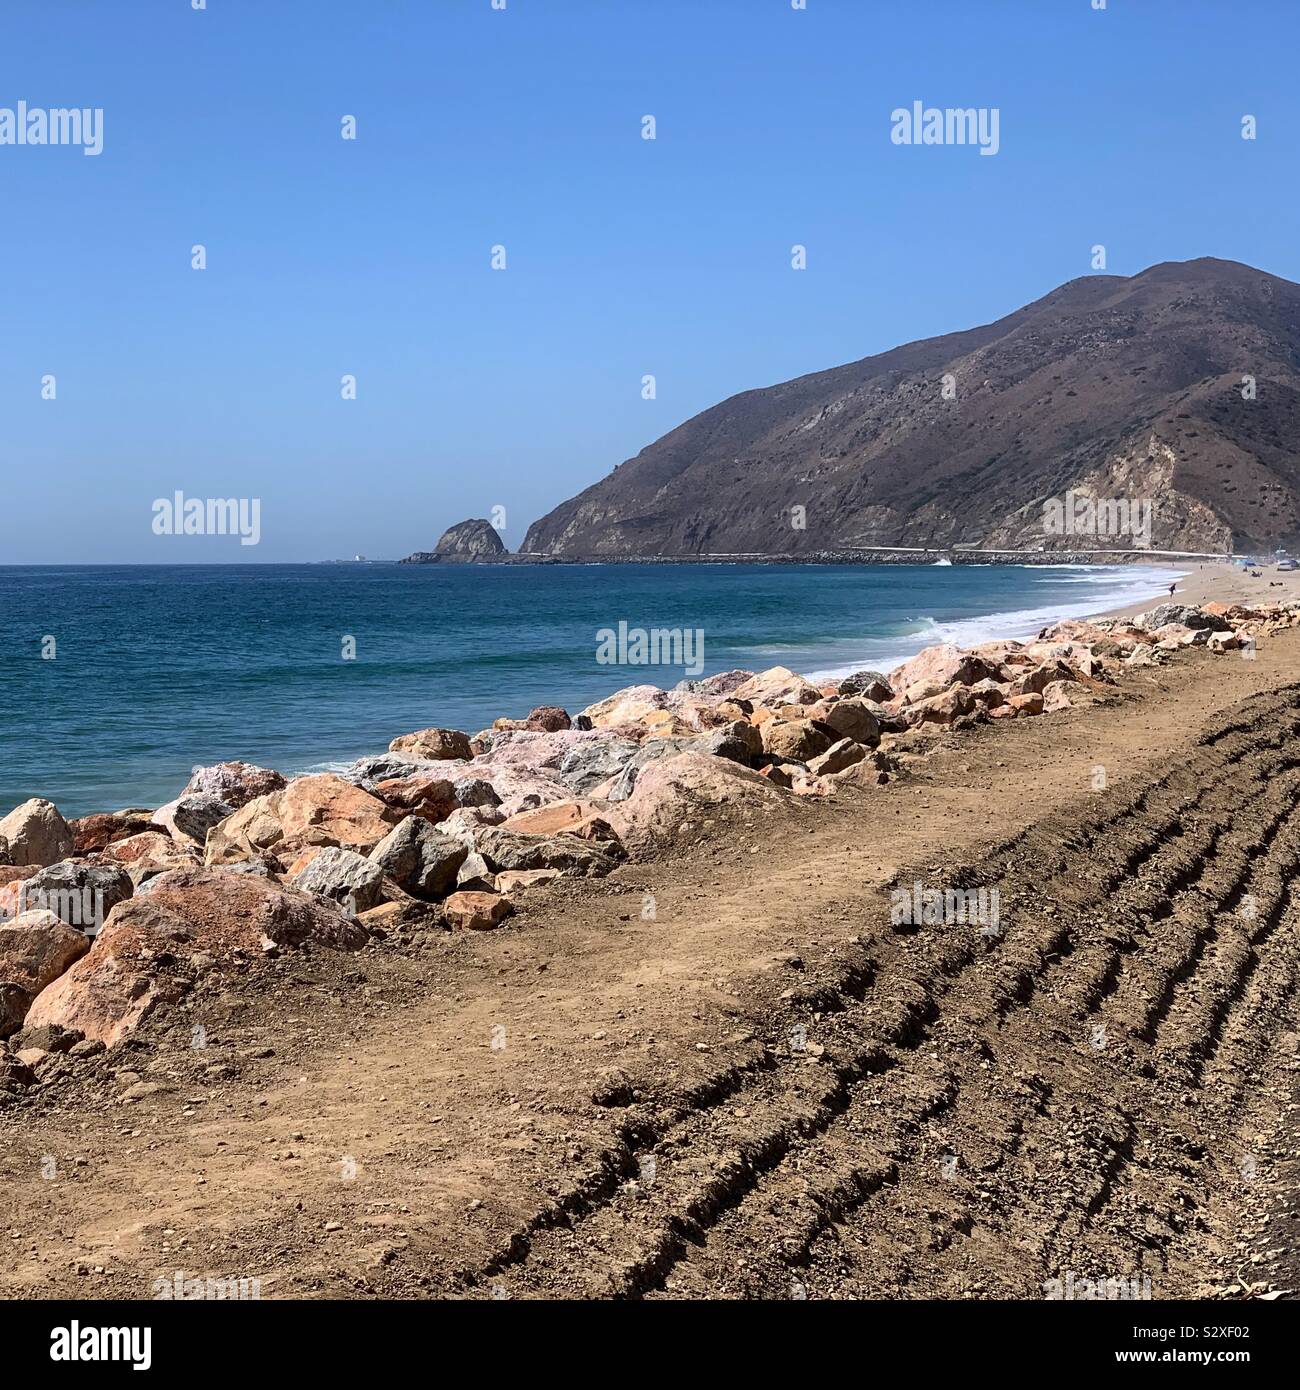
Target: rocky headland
{"x":467,"y":542}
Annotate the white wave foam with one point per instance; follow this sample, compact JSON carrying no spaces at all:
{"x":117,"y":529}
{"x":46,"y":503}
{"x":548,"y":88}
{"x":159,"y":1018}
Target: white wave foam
{"x":1111,"y":587}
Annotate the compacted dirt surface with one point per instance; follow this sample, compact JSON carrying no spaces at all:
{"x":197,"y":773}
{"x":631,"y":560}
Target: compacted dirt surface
{"x":725,"y":1072}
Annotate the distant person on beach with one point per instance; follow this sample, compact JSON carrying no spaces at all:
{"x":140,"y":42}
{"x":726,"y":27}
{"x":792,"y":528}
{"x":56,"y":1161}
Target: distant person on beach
{"x":1172,"y":587}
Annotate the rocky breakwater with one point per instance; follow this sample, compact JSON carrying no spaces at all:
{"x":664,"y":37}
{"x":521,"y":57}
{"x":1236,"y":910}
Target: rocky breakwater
{"x":103,"y":920}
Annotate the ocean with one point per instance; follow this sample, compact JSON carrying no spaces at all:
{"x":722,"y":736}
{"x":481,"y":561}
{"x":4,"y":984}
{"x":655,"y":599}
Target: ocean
{"x":117,"y":681}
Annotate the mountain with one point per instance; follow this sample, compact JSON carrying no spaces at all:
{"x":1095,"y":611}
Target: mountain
{"x":1112,"y":386}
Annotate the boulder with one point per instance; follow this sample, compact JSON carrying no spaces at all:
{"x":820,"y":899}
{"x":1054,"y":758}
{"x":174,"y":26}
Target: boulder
{"x":780,"y":774}
{"x":867,"y":773}
{"x":941,"y":667}
{"x":235,"y":783}
{"x":1002,"y":652}
{"x":13,"y":874}
{"x":318,"y":810}
{"x":730,"y":711}
{"x":548,"y":719}
{"x":1080,"y":630}
{"x":35,"y":949}
{"x":517,"y":880}
{"x":710,"y":687}
{"x":151,"y":852}
{"x":989,"y":693}
{"x":14,"y":1075}
{"x":1031,"y":703}
{"x":852,"y":718}
{"x":625,"y":706}
{"x":477,"y":793}
{"x":418,"y":858}
{"x":581,"y":818}
{"x":191,"y":816}
{"x":591,"y":761}
{"x":153,"y":948}
{"x":742,"y":742}
{"x":955,"y":703}
{"x":434,"y":744}
{"x":677,"y":788}
{"x":1058,"y":695}
{"x":665,"y":723}
{"x":510,"y":849}
{"x":367,"y":772}
{"x":1185,"y":613}
{"x":80,"y":894}
{"x":870,"y":685}
{"x":476,"y":874}
{"x":837,"y":758}
{"x":806,"y":784}
{"x":49,"y":1038}
{"x":777,"y":686}
{"x":796,"y":739}
{"x":91,"y":834}
{"x":545,"y":719}
{"x":344,"y":877}
{"x":462,"y":826}
{"x":477,"y":911}
{"x":525,"y":767}
{"x":1038,"y":678}
{"x":518,"y":789}
{"x":653,"y":751}
{"x":427,"y":795}
{"x":1072,"y":654}
{"x":36,"y":833}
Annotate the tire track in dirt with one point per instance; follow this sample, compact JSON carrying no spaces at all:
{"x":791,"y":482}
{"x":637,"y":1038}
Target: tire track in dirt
{"x":1128,"y":902}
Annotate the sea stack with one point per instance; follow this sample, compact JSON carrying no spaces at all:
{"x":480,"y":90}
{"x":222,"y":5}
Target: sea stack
{"x":466,"y":542}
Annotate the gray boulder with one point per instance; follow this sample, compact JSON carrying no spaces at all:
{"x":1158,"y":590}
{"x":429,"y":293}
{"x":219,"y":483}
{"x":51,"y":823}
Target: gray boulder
{"x":476,"y":791}
{"x":344,"y":877}
{"x":871,"y":685}
{"x":80,"y":894}
{"x":721,"y":684}
{"x":650,"y":751}
{"x":510,"y":849}
{"x":738,"y":742}
{"x":593,"y":761}
{"x":193,"y":815}
{"x":234,"y":783}
{"x":1185,"y":613}
{"x":476,"y":875}
{"x":419,"y":859}
{"x":387,"y":767}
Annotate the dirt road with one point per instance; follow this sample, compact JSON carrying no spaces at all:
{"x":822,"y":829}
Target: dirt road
{"x":749,"y":1082}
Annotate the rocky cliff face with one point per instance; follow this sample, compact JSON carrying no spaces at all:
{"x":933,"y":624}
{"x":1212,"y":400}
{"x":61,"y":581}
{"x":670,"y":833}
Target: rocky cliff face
{"x":1178,"y":387}
{"x":463,"y":543}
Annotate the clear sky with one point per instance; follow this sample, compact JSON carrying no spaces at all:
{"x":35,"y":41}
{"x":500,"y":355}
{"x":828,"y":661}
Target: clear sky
{"x":523,"y":127}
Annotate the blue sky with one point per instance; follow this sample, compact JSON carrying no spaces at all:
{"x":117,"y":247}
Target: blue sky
{"x":479,"y":388}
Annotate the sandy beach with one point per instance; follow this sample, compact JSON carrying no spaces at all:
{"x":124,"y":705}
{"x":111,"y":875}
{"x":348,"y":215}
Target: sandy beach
{"x":1216,"y":582}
